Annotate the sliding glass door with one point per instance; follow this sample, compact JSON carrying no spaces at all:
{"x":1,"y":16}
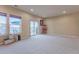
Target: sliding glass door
{"x":34,"y":28}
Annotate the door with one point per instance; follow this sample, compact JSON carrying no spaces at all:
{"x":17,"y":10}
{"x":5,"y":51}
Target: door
{"x":34,"y":28}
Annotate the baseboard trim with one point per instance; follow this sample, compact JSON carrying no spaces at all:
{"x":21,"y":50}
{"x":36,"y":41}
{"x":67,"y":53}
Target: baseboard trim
{"x":65,"y":35}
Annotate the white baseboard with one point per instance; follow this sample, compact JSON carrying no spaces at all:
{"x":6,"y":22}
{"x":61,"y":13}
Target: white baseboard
{"x":71,"y":36}
{"x":65,"y":35}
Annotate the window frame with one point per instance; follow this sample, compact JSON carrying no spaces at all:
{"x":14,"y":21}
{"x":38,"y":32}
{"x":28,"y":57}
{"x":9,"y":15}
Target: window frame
{"x":4,"y":14}
{"x":19,"y":17}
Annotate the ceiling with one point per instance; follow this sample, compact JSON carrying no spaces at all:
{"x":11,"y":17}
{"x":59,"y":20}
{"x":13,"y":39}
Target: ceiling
{"x":48,"y":10}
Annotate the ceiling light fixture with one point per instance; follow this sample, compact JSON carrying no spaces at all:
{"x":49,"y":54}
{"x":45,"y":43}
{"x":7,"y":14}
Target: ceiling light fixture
{"x":64,"y":12}
{"x":32,"y":10}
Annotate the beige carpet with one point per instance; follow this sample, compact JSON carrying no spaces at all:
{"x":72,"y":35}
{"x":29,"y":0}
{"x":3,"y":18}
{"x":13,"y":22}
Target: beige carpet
{"x":44,"y":44}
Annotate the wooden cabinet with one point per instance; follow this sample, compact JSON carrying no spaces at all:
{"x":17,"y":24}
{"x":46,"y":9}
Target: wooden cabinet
{"x":44,"y":29}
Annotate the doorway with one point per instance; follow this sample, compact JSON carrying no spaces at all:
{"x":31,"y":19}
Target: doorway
{"x":34,"y":26}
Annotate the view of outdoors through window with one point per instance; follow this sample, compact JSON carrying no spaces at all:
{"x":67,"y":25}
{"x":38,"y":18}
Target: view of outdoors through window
{"x":2,"y":25}
{"x":15,"y":25}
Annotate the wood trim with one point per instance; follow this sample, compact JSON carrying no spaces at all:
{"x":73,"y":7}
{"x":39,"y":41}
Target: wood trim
{"x":3,"y":14}
{"x":15,"y":16}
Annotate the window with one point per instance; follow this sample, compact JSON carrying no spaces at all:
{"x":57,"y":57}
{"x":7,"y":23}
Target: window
{"x":3,"y":23}
{"x":15,"y":24}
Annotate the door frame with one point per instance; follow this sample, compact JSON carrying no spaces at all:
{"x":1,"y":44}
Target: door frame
{"x":38,"y":25}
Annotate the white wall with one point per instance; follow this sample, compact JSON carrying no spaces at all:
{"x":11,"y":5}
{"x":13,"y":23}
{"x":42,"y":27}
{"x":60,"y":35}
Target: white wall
{"x":67,"y":24}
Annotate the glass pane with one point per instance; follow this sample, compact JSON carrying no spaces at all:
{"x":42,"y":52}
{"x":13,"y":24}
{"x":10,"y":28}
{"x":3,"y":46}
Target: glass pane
{"x":36,"y":27}
{"x":33,"y":27}
{"x":15,"y":25}
{"x":2,"y":25}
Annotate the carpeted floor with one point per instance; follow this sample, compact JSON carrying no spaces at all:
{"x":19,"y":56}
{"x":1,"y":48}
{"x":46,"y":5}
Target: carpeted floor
{"x":43,"y":44}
